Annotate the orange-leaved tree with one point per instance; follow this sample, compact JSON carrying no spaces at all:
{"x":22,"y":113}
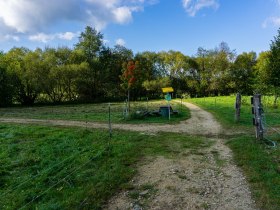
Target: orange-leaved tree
{"x":128,"y":78}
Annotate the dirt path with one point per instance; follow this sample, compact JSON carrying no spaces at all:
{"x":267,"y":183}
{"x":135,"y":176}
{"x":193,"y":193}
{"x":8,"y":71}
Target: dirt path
{"x":203,"y":179}
{"x":201,"y":122}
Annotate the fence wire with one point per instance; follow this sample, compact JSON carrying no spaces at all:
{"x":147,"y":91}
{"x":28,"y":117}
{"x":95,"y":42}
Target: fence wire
{"x":63,"y":179}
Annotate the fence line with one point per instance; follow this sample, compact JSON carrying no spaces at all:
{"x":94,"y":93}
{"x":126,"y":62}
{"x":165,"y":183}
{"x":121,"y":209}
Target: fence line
{"x":41,"y":173}
{"x":76,"y":169}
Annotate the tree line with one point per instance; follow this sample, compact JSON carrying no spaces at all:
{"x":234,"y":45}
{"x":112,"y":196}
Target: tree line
{"x":93,"y":72}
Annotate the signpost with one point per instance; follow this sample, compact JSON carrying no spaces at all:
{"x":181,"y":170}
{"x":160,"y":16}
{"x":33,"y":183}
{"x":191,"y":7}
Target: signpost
{"x":167,"y":97}
{"x":167,"y":90}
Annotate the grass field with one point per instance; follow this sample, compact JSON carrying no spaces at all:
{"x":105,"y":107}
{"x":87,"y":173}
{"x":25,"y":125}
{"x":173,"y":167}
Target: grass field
{"x":73,"y":168}
{"x":65,"y":168}
{"x":96,"y":112}
{"x":224,"y":108}
{"x":260,"y":163}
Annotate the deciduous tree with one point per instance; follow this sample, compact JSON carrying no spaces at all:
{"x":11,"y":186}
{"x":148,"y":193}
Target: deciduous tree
{"x":274,"y":66}
{"x":6,"y":84}
{"x":90,"y":43}
{"x":128,"y":78}
{"x":241,"y":74}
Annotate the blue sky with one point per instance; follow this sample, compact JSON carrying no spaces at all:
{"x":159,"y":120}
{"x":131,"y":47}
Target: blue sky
{"x":142,"y":25}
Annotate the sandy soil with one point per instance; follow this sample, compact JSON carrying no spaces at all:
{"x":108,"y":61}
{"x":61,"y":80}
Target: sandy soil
{"x":204,"y":179}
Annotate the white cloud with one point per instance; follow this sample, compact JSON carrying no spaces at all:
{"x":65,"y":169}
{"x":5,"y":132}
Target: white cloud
{"x":42,"y":37}
{"x":41,"y":16}
{"x":193,"y":6}
{"x":101,"y":13}
{"x":9,"y":37}
{"x":122,"y":14}
{"x":12,"y":37}
{"x":120,"y":42}
{"x":67,"y":35}
{"x":29,"y":15}
{"x":274,"y":21}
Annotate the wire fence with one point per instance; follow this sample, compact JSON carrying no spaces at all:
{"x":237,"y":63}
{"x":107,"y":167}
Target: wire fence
{"x":225,"y":107}
{"x":53,"y":175}
{"x":86,"y":112}
{"x":12,"y":188}
{"x":62,"y":179}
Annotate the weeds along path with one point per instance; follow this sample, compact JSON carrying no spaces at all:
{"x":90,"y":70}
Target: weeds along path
{"x":200,"y":123}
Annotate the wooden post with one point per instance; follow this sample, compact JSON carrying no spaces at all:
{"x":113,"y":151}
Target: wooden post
{"x":257,"y":120}
{"x":169,"y":110}
{"x":109,"y":121}
{"x":237,"y":107}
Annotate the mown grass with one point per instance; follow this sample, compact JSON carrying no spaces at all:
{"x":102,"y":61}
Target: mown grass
{"x":64,"y":168}
{"x":96,"y":112}
{"x":260,"y":162}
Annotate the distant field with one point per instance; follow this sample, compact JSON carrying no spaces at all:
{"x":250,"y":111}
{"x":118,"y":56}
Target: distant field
{"x":95,"y":112}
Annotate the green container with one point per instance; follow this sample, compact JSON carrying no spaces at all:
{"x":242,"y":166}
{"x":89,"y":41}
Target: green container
{"x":164,"y":111}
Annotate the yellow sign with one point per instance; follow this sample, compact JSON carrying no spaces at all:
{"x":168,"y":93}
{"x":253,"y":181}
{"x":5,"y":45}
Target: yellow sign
{"x":167,"y":90}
